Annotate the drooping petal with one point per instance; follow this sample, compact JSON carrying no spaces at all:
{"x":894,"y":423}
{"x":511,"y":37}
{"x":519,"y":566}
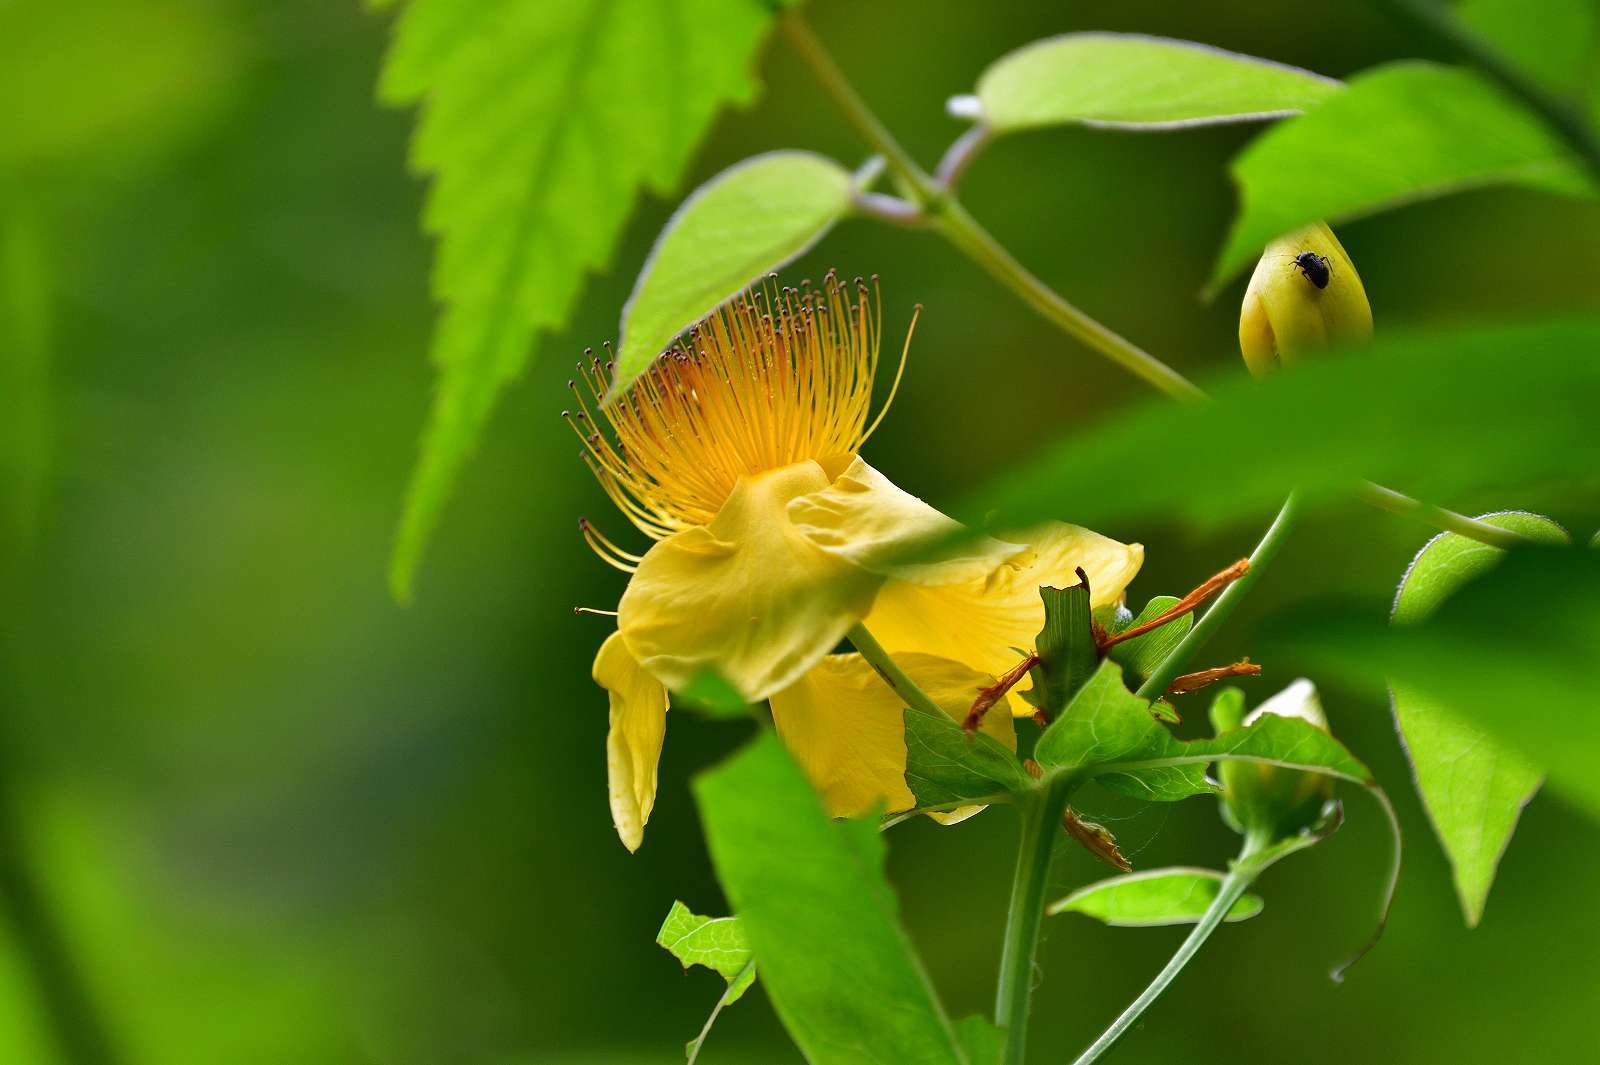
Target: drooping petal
{"x":846,"y":727}
{"x":633,"y":743}
{"x":984,"y":622}
{"x":747,"y":596}
{"x":863,"y":518}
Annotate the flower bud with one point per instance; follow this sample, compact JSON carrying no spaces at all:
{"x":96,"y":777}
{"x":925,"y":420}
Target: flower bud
{"x":1269,"y":799}
{"x":1305,"y":295}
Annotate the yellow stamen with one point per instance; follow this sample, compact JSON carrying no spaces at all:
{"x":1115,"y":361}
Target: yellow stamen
{"x":773,"y":377}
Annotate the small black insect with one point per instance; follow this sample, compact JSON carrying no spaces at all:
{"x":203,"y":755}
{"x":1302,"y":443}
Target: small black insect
{"x":1315,"y":267}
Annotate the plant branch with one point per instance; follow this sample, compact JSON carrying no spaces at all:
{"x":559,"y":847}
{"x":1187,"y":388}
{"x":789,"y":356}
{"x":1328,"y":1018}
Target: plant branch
{"x":960,"y":155}
{"x":1438,"y":517}
{"x":1266,"y":550}
{"x":1241,"y":874}
{"x":1439,"y":24}
{"x":875,"y":656}
{"x":1041,"y":812}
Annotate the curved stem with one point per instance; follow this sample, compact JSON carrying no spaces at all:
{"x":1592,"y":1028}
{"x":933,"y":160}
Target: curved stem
{"x":876,"y":657}
{"x":1438,"y":517}
{"x":1266,"y":550}
{"x":1041,"y":817}
{"x":1240,"y":876}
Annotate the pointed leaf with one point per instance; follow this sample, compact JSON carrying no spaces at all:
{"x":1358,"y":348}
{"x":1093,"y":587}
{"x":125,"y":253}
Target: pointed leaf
{"x":541,"y":123}
{"x":1178,"y":895}
{"x":1400,"y":133}
{"x":1066,"y":649}
{"x":811,"y":895}
{"x":749,"y":219}
{"x":1473,"y":788}
{"x":1129,"y":81}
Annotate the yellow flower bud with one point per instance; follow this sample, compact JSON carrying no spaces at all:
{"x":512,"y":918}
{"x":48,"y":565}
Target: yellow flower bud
{"x":1305,"y":295}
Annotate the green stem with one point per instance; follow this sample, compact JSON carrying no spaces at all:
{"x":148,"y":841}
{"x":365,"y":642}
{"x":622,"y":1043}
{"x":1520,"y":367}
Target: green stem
{"x":1040,"y":822}
{"x":1240,"y":876}
{"x":1565,"y":119}
{"x":876,"y":657}
{"x":1212,"y":619}
{"x":1438,"y":517}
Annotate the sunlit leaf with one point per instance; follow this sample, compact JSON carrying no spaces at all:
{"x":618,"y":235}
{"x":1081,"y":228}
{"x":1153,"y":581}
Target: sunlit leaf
{"x":749,"y":219}
{"x":1472,"y":787}
{"x":1153,"y":897}
{"x":1408,"y":411}
{"x":719,"y":944}
{"x":1129,"y":81}
{"x":1400,"y":133}
{"x":812,"y":897}
{"x":540,"y":125}
{"x":1511,"y":652}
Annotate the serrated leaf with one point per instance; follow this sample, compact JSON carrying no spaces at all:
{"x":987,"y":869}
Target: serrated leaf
{"x":1140,"y":656}
{"x":1511,"y":652}
{"x":1109,"y":735}
{"x":812,"y":897}
{"x":541,"y":123}
{"x":749,"y":219}
{"x":946,"y":767}
{"x":1066,"y":649}
{"x":1155,"y":897}
{"x":1408,"y":411}
{"x":1473,"y":788}
{"x":1130,"y":81}
{"x":1400,"y":133}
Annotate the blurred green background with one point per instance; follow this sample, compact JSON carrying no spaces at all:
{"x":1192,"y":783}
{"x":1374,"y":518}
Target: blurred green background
{"x":277,"y":818}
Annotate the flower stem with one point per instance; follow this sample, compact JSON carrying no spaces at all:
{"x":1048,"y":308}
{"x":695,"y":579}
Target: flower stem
{"x":1157,"y":683}
{"x":1041,"y":819}
{"x":875,"y":656}
{"x":1240,"y":876}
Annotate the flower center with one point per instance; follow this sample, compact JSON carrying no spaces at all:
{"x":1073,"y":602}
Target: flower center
{"x":774,"y":377}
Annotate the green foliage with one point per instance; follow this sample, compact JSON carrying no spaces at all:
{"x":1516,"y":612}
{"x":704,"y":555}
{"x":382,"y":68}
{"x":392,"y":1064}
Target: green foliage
{"x":1109,"y":734}
{"x":1129,"y":81}
{"x":1511,"y":652}
{"x":719,"y":944}
{"x":1402,"y":132}
{"x":1177,"y":895}
{"x":540,"y":124}
{"x":812,"y":897}
{"x":1472,"y":787}
{"x":982,"y":1041}
{"x":946,"y":767}
{"x":750,"y":218}
{"x":1140,"y":656}
{"x":1554,"y":40}
{"x":1409,"y":411}
{"x":1066,"y":649}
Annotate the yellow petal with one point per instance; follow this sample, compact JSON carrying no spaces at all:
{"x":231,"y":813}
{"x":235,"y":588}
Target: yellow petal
{"x":633,"y":743}
{"x":747,"y":596}
{"x":982,"y":623}
{"x":864,"y":519}
{"x":846,"y":727}
{"x":1285,"y":316}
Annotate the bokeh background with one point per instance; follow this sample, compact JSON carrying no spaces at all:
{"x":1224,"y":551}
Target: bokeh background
{"x":261,"y":814}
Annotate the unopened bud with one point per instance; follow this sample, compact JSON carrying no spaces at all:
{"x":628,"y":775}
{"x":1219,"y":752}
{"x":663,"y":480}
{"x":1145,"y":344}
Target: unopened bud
{"x":1269,"y":799}
{"x":1304,"y":296}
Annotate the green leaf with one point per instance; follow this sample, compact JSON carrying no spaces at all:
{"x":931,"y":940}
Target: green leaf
{"x":712,"y":694}
{"x":1129,"y":81}
{"x":1554,"y":40}
{"x":718,"y":943}
{"x":981,"y":1039}
{"x":1400,"y":133}
{"x":1140,"y":656}
{"x":1472,"y":787}
{"x":1108,"y":734}
{"x":946,"y":768}
{"x":1066,"y":648}
{"x":1511,"y":652}
{"x":811,"y":895}
{"x":1408,"y":411}
{"x":541,"y":123}
{"x":751,"y":218}
{"x":1178,"y":895}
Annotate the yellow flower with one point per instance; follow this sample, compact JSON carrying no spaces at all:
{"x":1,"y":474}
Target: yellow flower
{"x":1305,"y":295}
{"x":738,"y":453}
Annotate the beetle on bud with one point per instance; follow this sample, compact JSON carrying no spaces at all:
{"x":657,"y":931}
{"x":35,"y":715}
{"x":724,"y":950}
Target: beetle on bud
{"x":1305,"y":295}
